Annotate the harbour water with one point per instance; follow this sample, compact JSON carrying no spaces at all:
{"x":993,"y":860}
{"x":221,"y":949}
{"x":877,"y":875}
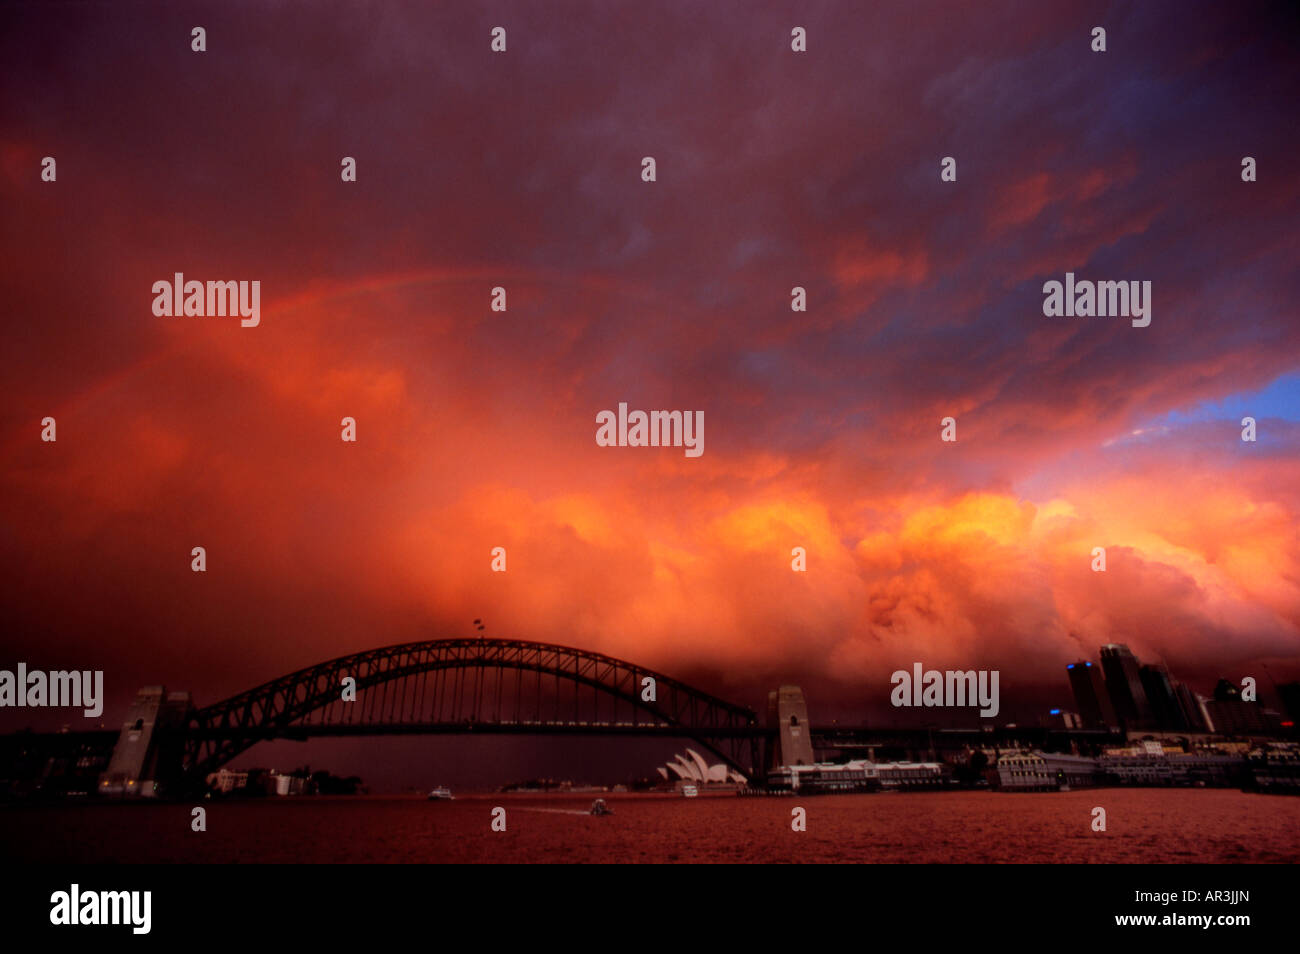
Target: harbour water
{"x":1143,"y":825}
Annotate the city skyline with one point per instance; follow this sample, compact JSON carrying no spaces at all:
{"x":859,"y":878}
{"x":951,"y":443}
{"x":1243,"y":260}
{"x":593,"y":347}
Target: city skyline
{"x":1144,"y":697}
{"x":477,"y":429}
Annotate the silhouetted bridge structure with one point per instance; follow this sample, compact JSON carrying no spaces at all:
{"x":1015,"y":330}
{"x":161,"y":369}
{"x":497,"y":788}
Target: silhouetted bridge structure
{"x":483,"y":686}
{"x":465,"y":686}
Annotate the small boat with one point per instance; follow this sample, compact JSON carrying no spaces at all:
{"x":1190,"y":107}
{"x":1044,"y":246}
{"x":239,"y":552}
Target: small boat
{"x":441,"y":794}
{"x":689,"y":791}
{"x":598,"y":807}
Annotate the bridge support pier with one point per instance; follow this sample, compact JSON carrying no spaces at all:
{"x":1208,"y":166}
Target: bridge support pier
{"x":787,"y":717}
{"x":146,"y":759}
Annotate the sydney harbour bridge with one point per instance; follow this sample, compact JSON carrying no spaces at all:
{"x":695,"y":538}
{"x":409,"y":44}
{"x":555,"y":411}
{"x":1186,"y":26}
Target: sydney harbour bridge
{"x":435,"y":687}
{"x":466,"y":686}
{"x":471,"y":686}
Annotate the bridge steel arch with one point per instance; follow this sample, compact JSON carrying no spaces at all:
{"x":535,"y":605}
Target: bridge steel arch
{"x":284,"y":707}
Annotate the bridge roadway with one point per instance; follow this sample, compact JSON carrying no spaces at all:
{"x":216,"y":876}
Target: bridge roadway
{"x":36,"y":748}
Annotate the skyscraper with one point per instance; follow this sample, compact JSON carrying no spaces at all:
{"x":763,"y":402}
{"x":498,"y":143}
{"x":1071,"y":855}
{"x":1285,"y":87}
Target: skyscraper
{"x":1165,"y":710}
{"x":1192,"y":709}
{"x":1231,"y":714}
{"x":1090,"y":694}
{"x":1124,"y":685}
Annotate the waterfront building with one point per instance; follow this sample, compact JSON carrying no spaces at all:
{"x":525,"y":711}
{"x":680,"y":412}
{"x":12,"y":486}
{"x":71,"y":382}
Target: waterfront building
{"x":226,"y":781}
{"x":1151,"y":763}
{"x":909,"y":775}
{"x":277,"y":784}
{"x":1275,"y":768}
{"x":1036,"y":771}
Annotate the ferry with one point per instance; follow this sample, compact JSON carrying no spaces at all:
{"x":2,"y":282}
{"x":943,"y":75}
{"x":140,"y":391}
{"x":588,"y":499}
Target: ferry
{"x":689,"y":791}
{"x":858,"y":775}
{"x":441,"y":794}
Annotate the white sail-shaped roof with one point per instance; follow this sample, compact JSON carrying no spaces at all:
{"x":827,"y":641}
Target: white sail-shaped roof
{"x":700,"y":764}
{"x":692,"y":770}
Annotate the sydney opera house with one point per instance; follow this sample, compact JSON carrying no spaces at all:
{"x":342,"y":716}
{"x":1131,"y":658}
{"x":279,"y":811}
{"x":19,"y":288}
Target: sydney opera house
{"x":692,"y":769}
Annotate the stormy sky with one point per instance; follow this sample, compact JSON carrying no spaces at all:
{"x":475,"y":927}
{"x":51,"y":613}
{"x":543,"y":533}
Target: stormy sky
{"x":476,"y":429}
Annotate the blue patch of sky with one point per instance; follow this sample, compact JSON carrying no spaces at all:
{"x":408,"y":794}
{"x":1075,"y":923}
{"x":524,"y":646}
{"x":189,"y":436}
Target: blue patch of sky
{"x":1281,"y":399}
